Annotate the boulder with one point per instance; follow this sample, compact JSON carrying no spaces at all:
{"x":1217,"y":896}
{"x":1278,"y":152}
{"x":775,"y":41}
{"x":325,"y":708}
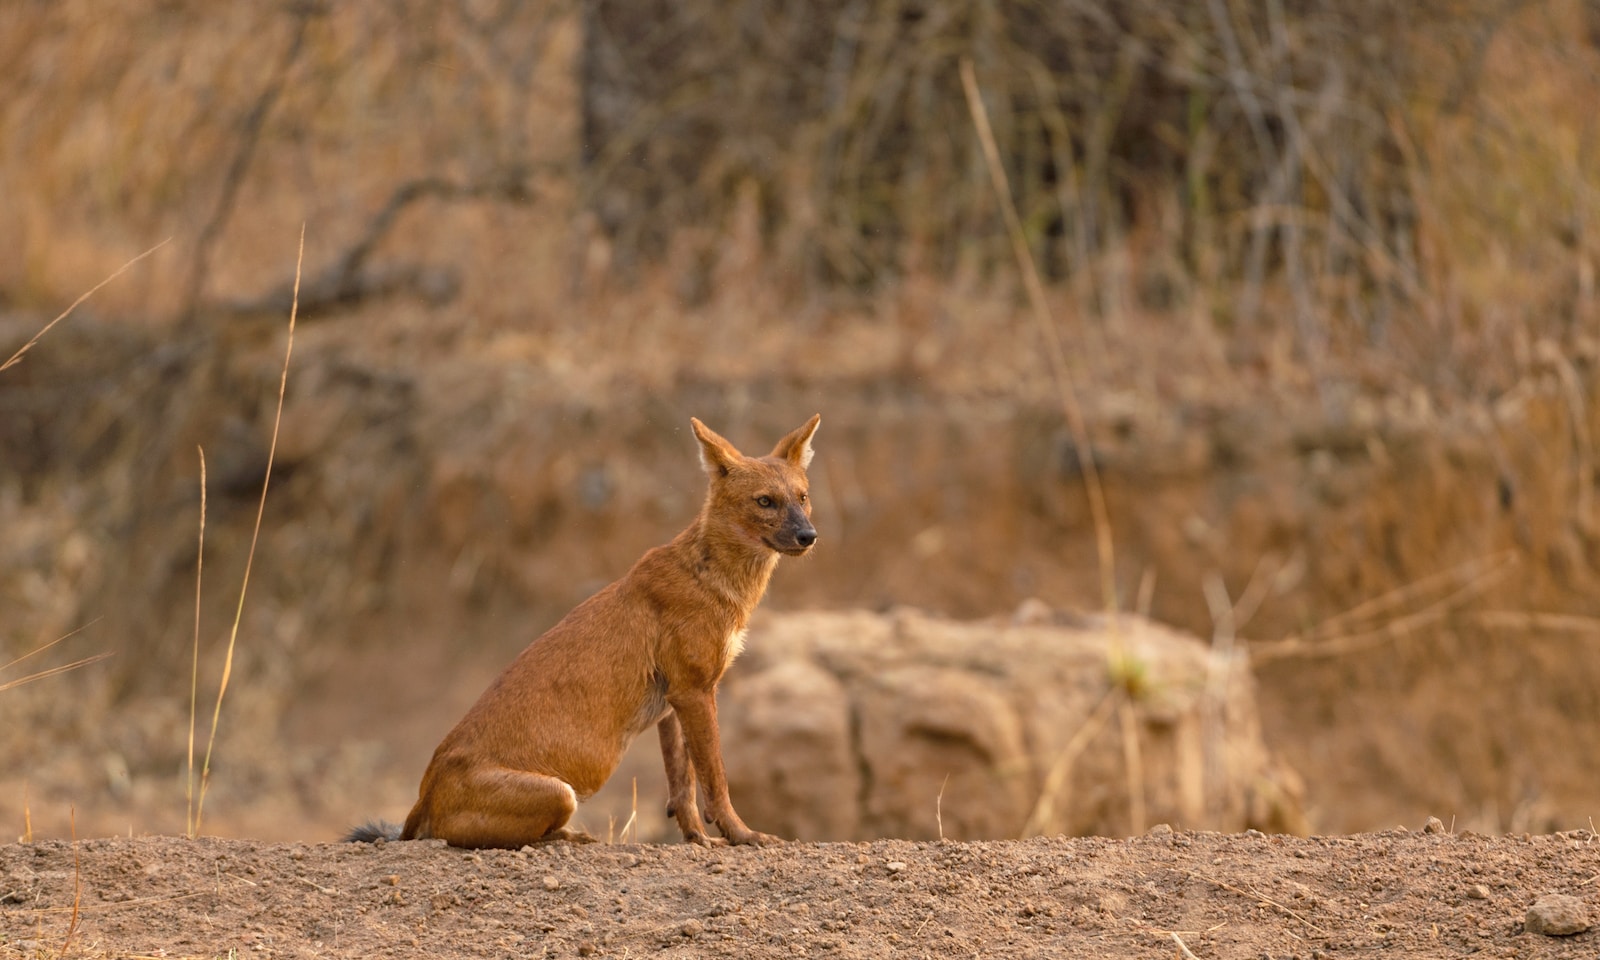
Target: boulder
{"x":856,"y":725}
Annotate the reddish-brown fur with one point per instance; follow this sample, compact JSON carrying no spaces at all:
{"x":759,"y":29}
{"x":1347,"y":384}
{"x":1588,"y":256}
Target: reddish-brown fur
{"x":648,"y":650}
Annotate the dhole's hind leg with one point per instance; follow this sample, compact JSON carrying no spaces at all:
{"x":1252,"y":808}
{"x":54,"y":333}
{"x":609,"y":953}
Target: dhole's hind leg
{"x":682,"y":803}
{"x":501,"y":807}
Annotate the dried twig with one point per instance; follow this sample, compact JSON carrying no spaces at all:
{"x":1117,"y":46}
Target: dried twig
{"x":938,"y":806}
{"x":1318,"y":642}
{"x":250,"y":128}
{"x":317,"y":886}
{"x":1044,"y":808}
{"x":351,"y":278}
{"x":77,"y":885}
{"x":1539,"y":622}
{"x":1259,"y":897}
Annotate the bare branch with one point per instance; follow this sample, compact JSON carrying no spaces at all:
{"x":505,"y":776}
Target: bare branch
{"x":249,"y":137}
{"x":351,"y":279}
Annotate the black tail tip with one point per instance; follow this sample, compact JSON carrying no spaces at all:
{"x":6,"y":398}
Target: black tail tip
{"x":372,"y":831}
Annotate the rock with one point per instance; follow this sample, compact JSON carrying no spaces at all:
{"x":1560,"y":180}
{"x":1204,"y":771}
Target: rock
{"x":1557,"y":915}
{"x":792,"y":749}
{"x":852,"y":725}
{"x":944,"y":744}
{"x":1434,"y":825}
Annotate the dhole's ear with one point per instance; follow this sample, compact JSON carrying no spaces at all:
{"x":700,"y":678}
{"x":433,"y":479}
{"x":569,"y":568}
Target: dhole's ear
{"x":716,"y":454}
{"x":796,"y":447}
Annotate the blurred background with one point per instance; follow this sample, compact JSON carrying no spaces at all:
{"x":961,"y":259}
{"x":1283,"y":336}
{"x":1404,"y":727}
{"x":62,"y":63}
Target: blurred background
{"x":1323,"y":273}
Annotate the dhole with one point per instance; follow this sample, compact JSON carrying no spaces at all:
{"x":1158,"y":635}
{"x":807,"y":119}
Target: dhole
{"x":648,"y":650}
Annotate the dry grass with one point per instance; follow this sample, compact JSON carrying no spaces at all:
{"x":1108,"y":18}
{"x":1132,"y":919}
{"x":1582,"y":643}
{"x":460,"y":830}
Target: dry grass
{"x":1061,"y":371}
{"x":191,"y":826}
{"x":261,"y":508}
{"x":1304,"y":180}
{"x":77,"y":890}
{"x":50,"y":671}
{"x":1386,"y":618}
{"x":629,"y":833}
{"x":16,"y":358}
{"x":1126,"y":672}
{"x":1287,"y":195}
{"x":1042,"y":820}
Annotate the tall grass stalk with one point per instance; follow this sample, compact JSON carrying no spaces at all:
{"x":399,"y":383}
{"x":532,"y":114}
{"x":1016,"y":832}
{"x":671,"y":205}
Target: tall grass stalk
{"x":1055,"y":351}
{"x":190,"y":825}
{"x":16,"y":358}
{"x":52,"y":671}
{"x":77,"y":885}
{"x":261,"y":509}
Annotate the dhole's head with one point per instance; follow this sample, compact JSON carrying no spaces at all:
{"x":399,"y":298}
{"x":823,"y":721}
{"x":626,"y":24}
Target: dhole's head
{"x":762,"y":500}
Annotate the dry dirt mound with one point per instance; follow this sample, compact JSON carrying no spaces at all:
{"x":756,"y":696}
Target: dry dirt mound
{"x":1412,"y":894}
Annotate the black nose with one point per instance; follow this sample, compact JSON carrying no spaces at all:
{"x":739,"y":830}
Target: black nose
{"x":806,"y":537}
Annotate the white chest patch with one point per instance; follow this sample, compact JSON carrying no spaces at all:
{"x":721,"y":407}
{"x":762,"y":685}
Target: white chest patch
{"x":733,"y":647}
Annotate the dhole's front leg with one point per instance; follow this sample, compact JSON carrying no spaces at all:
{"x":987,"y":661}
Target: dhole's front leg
{"x":682,"y":805}
{"x":696,"y":711}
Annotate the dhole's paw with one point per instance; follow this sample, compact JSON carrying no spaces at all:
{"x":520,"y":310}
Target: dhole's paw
{"x":703,"y":840}
{"x":572,"y":835}
{"x":754,"y":838}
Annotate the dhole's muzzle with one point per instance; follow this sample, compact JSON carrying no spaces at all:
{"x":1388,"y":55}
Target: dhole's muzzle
{"x":796,"y":536}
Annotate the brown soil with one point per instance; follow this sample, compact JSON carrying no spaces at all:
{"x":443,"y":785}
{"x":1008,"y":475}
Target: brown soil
{"x":1240,"y":895}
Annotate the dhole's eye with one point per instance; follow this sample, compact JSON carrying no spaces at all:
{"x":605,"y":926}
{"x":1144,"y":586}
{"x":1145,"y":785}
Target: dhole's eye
{"x":764,"y":500}
{"x":802,"y":498}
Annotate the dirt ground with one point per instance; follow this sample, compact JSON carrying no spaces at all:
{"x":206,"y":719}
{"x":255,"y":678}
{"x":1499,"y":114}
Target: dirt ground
{"x":1166,"y":894}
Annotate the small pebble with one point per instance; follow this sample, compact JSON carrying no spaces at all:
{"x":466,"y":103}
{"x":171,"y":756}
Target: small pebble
{"x":895,"y":866}
{"x":1434,"y":825}
{"x":1478,"y":892}
{"x":551,"y":883}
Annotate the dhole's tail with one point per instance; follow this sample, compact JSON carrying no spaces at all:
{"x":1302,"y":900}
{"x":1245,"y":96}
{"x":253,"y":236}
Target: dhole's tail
{"x":373,"y":831}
